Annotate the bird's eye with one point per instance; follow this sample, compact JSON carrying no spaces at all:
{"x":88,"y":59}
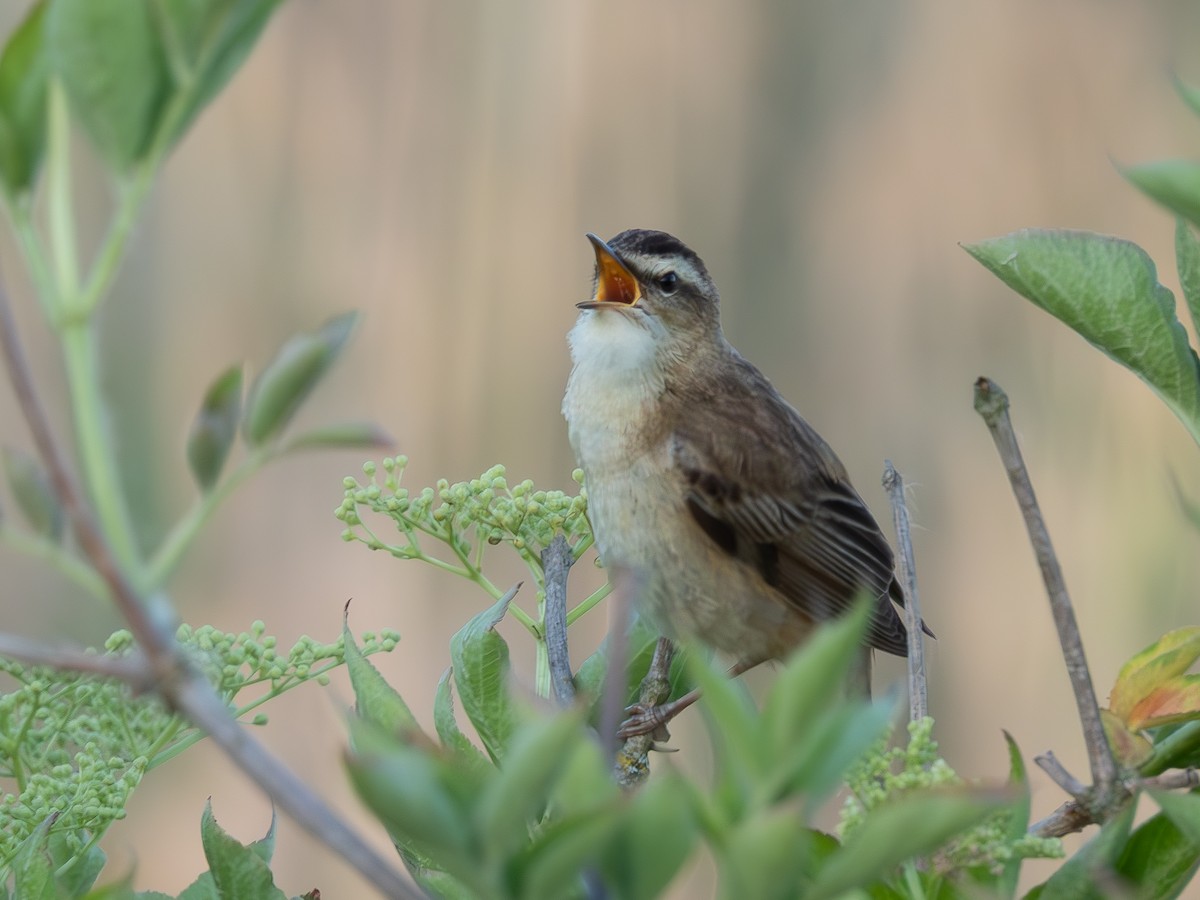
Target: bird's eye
{"x":668,"y":282}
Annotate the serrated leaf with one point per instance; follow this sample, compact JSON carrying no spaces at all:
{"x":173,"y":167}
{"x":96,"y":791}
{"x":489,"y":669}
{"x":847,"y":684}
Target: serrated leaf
{"x":1174,"y":183}
{"x":1076,"y":878}
{"x":23,"y":78}
{"x":481,"y":670}
{"x":374,"y":699}
{"x":110,"y":61}
{"x":1130,"y":748}
{"x":446,"y":724}
{"x":348,"y":436}
{"x":1018,"y":816}
{"x":1171,"y":655}
{"x":1187,"y":263}
{"x":1159,"y":859}
{"x":207,"y":41}
{"x":35,"y":498}
{"x":1108,"y":291}
{"x":215,"y":427}
{"x":237,"y":870}
{"x":291,"y":376}
{"x":908,"y":827}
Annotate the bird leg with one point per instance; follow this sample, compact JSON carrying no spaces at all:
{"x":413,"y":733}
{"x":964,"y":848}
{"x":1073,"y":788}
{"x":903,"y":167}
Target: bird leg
{"x":653,"y":719}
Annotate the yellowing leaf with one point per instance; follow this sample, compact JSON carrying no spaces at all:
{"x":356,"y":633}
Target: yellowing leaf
{"x":1170,"y":656}
{"x":1130,"y":748}
{"x":1176,"y":700}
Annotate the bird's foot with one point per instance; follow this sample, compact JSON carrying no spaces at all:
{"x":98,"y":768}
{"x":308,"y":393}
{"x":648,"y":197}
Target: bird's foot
{"x":652,"y":720}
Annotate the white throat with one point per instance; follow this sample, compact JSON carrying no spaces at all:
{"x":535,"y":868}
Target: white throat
{"x":617,"y":372}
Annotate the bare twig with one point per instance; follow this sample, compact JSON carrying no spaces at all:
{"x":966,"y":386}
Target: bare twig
{"x":132,"y":669}
{"x":183,"y":688}
{"x":1074,"y":816}
{"x":633,"y":757}
{"x":992,"y":404}
{"x":1049,"y":763}
{"x":556,"y":563}
{"x":918,"y":693}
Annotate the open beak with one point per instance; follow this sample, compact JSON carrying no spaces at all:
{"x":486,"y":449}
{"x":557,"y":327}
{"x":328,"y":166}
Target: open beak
{"x":615,"y":284}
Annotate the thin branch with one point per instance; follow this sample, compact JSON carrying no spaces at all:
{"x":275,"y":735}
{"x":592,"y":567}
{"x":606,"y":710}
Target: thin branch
{"x":918,"y":692}
{"x":633,"y":758}
{"x":1049,"y":763}
{"x":1074,"y":816}
{"x":132,"y":669}
{"x":992,"y":404}
{"x":185,"y":689}
{"x":556,"y":564}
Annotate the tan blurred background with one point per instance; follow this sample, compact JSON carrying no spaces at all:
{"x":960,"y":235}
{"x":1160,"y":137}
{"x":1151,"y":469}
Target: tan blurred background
{"x":435,"y":164}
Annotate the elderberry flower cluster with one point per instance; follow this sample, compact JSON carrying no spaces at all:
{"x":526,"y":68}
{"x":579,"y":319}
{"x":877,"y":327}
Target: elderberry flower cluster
{"x":74,"y":746}
{"x":890,"y":773}
{"x":466,"y":516}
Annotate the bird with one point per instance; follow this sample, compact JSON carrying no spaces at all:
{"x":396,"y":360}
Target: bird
{"x":737,"y":518}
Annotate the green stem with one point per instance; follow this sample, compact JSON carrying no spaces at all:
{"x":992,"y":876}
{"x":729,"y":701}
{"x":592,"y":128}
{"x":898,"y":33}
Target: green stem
{"x":49,"y":551}
{"x":176,"y":543}
{"x":96,"y":453}
{"x":1170,"y":750}
{"x":58,"y":192}
{"x":31,"y":248}
{"x":596,"y":596}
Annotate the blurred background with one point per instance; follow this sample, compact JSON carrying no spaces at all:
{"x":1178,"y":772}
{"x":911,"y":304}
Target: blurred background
{"x":435,"y":164}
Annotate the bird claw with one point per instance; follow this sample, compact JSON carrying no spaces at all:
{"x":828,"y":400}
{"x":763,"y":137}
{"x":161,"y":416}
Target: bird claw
{"x":651,"y":720}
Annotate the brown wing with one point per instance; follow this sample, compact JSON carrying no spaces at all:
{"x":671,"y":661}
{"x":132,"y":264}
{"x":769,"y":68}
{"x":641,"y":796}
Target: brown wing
{"x":778,"y":499}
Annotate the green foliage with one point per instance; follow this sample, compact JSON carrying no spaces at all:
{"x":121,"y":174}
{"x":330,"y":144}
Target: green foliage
{"x":73,"y":746}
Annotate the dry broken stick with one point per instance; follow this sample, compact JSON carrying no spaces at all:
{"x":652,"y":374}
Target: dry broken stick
{"x":1106,"y":793}
{"x":181,"y":686}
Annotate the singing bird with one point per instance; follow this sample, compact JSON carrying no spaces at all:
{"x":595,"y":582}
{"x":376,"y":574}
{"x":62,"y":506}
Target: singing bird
{"x":738,"y":519}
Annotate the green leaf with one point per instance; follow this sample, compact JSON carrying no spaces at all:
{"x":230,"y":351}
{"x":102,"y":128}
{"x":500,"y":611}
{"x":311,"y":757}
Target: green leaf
{"x":589,"y":680}
{"x":1159,"y":859}
{"x":1189,"y":94}
{"x":655,"y":839}
{"x":1183,"y":810}
{"x":446,"y":724}
{"x":1076,"y":878}
{"x":374,"y":699}
{"x":1187,"y":262}
{"x":1174,"y":183}
{"x":1018,"y":815}
{"x":530,"y":768}
{"x":215,"y":427}
{"x":82,"y":872}
{"x":206,"y":42}
{"x":765,"y":857}
{"x":551,"y":866}
{"x":811,"y":680}
{"x":23,"y":71}
{"x":290,"y":377}
{"x":31,"y":489}
{"x":237,"y":870}
{"x":33,"y":872}
{"x":1108,"y":291}
{"x":406,"y":788}
{"x":732,"y":723}
{"x":348,"y":436}
{"x":481,"y":668}
{"x":908,"y":827}
{"x":111,"y":63}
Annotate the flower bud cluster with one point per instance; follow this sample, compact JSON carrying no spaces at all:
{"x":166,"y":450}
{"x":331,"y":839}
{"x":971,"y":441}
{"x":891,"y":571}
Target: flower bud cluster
{"x":890,"y":773}
{"x":462,"y":515}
